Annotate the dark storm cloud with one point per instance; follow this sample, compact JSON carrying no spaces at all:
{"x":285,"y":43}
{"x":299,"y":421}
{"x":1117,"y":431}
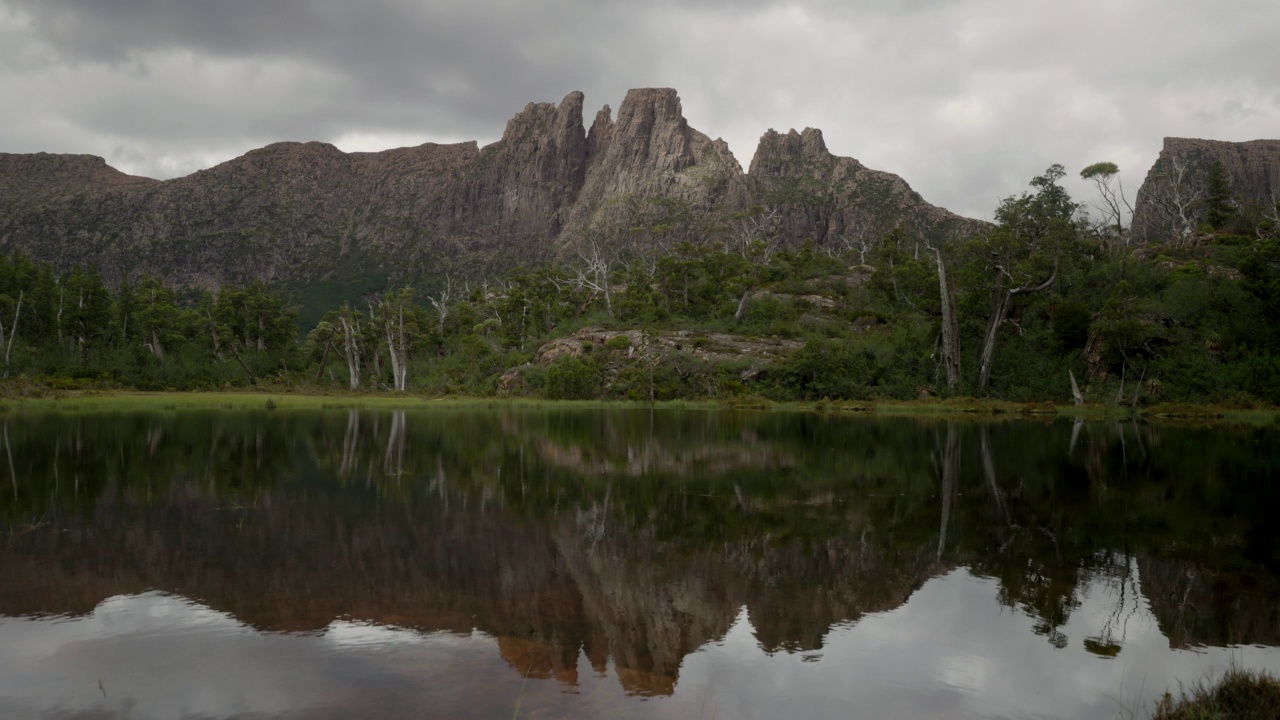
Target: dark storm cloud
{"x":966,"y":99}
{"x":377,"y":57}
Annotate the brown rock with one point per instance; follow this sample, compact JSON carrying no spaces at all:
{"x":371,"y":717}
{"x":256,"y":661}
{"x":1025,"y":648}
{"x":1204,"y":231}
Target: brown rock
{"x":295,"y":213}
{"x":1253,"y":167}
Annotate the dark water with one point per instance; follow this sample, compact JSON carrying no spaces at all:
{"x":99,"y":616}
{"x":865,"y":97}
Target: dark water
{"x":583,"y":564}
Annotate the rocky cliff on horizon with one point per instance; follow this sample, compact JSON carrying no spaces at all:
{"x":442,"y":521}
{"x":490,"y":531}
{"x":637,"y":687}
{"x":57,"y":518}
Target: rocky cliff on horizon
{"x":1179,"y":178}
{"x":299,"y":213}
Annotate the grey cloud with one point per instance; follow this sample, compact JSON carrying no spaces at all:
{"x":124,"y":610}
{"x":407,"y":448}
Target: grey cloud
{"x":966,"y":99}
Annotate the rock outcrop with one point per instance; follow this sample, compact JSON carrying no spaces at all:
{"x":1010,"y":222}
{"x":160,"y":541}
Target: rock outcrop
{"x":296,"y":213}
{"x":1253,"y":168}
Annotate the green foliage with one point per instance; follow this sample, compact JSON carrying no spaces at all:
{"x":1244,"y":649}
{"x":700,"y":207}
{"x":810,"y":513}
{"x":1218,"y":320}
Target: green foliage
{"x":1196,"y":322}
{"x":1071,"y":319}
{"x":571,"y":378}
{"x":1219,"y":204}
{"x":833,"y":369}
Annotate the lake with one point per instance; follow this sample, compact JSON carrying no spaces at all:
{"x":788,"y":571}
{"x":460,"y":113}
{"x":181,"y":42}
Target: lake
{"x":626,"y":563}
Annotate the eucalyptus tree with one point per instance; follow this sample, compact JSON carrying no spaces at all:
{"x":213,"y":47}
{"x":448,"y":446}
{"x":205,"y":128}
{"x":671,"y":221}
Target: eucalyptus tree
{"x":1022,"y":255}
{"x":6,"y":341}
{"x":401,"y":323}
{"x":83,"y":311}
{"x":158,"y":320}
{"x":350,"y":322}
{"x":1176,"y":200}
{"x":1112,"y":202}
{"x":251,"y":323}
{"x":321,"y":340}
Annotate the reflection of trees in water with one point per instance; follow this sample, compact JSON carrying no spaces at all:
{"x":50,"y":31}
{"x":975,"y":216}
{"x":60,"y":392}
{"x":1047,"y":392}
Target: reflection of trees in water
{"x":616,"y":536}
{"x":71,"y":464}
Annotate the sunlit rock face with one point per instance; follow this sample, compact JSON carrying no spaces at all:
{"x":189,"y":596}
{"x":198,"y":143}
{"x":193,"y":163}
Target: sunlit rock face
{"x":301,"y":212}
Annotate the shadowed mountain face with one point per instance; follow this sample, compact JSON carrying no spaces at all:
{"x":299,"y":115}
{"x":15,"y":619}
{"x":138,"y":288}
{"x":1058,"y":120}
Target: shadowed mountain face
{"x":631,"y":538}
{"x":297,"y":213}
{"x":1176,"y":185}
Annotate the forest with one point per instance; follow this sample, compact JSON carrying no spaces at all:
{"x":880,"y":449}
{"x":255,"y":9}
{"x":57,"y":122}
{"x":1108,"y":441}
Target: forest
{"x":1057,"y":300}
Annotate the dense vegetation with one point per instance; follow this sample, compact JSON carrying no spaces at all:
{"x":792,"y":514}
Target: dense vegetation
{"x":1044,"y":297}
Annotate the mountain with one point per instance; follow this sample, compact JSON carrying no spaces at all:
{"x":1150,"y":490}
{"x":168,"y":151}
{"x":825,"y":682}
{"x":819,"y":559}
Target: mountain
{"x":1179,"y":178}
{"x":305,"y":213}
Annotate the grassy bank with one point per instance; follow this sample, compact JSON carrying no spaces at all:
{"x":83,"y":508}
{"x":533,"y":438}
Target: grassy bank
{"x":1237,"y":695}
{"x":974,"y":408}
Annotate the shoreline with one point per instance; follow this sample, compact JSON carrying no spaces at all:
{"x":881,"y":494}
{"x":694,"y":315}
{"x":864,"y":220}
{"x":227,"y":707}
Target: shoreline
{"x":91,"y":401}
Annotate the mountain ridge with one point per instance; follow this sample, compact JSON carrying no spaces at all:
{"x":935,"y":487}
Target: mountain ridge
{"x":302,"y":212}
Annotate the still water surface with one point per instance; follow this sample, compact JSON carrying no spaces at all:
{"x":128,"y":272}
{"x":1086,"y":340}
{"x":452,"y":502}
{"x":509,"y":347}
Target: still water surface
{"x":630,"y":564}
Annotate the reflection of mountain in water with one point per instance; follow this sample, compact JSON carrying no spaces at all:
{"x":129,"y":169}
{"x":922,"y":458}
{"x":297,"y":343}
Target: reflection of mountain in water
{"x":629,"y":535}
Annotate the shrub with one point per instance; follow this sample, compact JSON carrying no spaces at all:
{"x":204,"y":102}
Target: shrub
{"x":1238,"y":695}
{"x":571,"y":378}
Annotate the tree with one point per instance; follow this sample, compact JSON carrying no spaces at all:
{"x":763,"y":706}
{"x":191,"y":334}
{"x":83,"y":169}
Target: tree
{"x":349,"y":320}
{"x":595,"y":268}
{"x":1112,"y":202}
{"x":253,"y":324}
{"x":83,"y":310}
{"x":1219,"y":205}
{"x":157,"y":315}
{"x":1022,"y":256}
{"x":7,"y":345}
{"x":401,"y":323}
{"x":1176,"y":201}
{"x":949,"y":334}
{"x":321,"y":339}
{"x":862,"y":232}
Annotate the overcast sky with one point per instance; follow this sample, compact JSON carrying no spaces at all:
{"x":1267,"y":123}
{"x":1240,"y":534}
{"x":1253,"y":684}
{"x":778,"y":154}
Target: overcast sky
{"x":965,"y":99}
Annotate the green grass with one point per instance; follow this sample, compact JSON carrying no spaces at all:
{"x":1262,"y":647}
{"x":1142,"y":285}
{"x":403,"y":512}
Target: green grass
{"x":1237,"y":695}
{"x":974,"y":408}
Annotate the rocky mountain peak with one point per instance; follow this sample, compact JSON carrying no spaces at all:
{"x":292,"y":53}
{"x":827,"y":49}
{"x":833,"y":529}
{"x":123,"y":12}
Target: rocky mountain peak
{"x":298,"y":213}
{"x":777,"y":151}
{"x":651,"y":133}
{"x":39,"y":177}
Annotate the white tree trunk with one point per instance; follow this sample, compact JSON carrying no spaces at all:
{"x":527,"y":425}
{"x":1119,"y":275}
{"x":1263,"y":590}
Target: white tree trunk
{"x":352,"y":349}
{"x":13,"y":332}
{"x":950,"y":327}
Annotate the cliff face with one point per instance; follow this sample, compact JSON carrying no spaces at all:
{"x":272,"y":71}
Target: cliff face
{"x":1183,"y":167}
{"x":303,"y":212}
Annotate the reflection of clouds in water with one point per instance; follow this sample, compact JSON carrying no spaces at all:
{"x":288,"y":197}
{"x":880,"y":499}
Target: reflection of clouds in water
{"x":951,"y":651}
{"x":348,"y":634}
{"x":151,"y":655}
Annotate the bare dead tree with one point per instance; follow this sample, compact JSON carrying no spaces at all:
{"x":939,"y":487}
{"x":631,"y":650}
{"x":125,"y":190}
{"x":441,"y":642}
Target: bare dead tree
{"x":950,"y":472}
{"x":1002,"y":303}
{"x":350,"y":443}
{"x":861,"y":234}
{"x":1075,"y":389}
{"x":950,"y":333}
{"x":393,"y":460}
{"x":989,"y":471}
{"x":1272,"y":213}
{"x":351,"y":344}
{"x":755,"y":235}
{"x":756,"y":238}
{"x":592,"y":272}
{"x":1176,"y":201}
{"x":440,"y":301}
{"x":13,"y":332}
